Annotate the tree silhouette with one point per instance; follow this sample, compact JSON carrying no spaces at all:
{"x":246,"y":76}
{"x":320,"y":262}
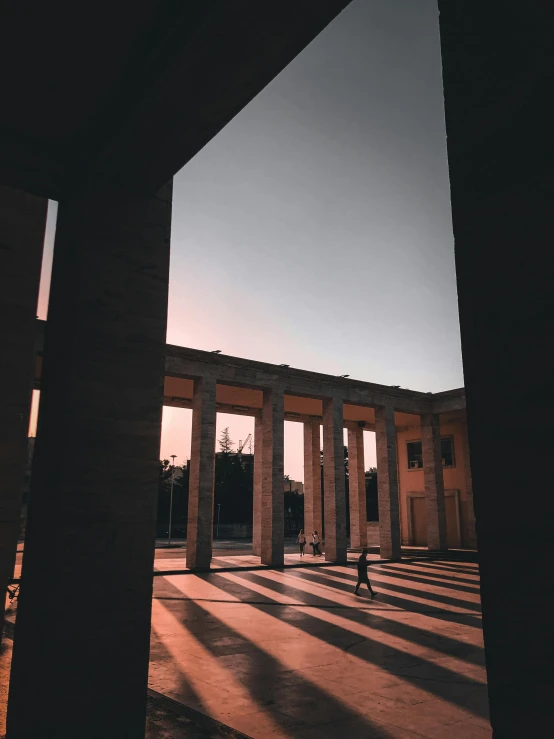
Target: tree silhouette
{"x":225,"y":442}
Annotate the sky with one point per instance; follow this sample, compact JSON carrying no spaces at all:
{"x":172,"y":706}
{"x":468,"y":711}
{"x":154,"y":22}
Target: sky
{"x":315,"y":229}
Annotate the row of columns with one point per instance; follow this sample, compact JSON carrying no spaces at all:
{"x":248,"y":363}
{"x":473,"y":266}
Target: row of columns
{"x":91,"y":518}
{"x":327,"y":511}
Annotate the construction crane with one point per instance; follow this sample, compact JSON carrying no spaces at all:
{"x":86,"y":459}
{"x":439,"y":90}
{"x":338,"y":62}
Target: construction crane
{"x":242,"y":445}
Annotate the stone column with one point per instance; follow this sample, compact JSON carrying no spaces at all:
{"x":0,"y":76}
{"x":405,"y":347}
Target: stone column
{"x":22,"y":224}
{"x":313,"y":503}
{"x":387,"y":483}
{"x":497,"y":67}
{"x":334,"y":494}
{"x":82,"y":636}
{"x":273,"y":489}
{"x":356,"y":488}
{"x":258,"y":466}
{"x":433,"y":480}
{"x":201,"y":484}
{"x":469,"y":535}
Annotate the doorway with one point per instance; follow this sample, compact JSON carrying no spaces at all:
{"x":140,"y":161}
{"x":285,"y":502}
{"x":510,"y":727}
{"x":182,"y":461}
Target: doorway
{"x":417,"y":519}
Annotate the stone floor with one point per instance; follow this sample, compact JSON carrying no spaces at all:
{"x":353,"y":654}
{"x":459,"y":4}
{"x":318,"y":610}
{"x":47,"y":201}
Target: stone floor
{"x":169,"y":561}
{"x":295,"y":654}
{"x":233,"y":554}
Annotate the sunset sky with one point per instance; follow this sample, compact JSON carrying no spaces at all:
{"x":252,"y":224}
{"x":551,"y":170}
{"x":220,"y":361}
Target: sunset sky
{"x":315,"y":229}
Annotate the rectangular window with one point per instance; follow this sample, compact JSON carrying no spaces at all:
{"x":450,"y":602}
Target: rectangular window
{"x":415,"y":457}
{"x":447,"y":451}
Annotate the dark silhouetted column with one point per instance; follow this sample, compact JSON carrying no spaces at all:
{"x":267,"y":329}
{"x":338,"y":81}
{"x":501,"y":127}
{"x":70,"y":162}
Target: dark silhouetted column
{"x":201,"y":485}
{"x":82,"y":635}
{"x":433,"y":480}
{"x":356,"y":488}
{"x":313,"y":503}
{"x":257,"y":485}
{"x":498,"y":66}
{"x":273,"y":489}
{"x":334,"y":494}
{"x":22,"y":224}
{"x":387,"y":483}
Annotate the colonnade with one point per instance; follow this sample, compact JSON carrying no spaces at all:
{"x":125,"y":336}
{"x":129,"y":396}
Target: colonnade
{"x":324,"y":505}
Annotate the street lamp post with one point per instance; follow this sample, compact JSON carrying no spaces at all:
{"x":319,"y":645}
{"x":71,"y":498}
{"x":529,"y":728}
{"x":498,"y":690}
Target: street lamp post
{"x":173,"y":456}
{"x":217,"y":525}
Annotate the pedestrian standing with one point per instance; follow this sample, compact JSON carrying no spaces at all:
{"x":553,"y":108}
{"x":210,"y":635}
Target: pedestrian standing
{"x":362,"y":574}
{"x":301,"y":541}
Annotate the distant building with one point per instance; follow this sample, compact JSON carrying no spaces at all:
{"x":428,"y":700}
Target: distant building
{"x":294,"y":486}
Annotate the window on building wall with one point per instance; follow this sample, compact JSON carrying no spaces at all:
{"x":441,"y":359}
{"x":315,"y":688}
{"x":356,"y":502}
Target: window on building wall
{"x":447,"y":451}
{"x":415,"y":456}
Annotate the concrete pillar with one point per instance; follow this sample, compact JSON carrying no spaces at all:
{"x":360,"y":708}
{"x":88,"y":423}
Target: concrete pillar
{"x":257,"y":485}
{"x":469,"y":535}
{"x":258,"y":466}
{"x":22,"y":224}
{"x":313,"y":503}
{"x":356,"y":488}
{"x":497,"y":67}
{"x":334,"y":493}
{"x":387,"y":483}
{"x":82,"y":635}
{"x":273,"y":490}
{"x":433,"y":480}
{"x":201,"y":483}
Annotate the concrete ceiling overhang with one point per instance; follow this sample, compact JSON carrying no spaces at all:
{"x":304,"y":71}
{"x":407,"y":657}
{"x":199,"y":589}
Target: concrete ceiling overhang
{"x":129,"y":92}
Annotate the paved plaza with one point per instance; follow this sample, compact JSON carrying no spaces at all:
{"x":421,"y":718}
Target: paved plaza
{"x":295,"y":654}
{"x":232,"y":554}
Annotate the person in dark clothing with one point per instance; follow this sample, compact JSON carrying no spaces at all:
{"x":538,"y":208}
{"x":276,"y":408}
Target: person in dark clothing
{"x":362,"y":574}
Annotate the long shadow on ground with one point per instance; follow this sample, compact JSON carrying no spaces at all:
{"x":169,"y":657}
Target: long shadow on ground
{"x":440,"y":681}
{"x":285,"y":693}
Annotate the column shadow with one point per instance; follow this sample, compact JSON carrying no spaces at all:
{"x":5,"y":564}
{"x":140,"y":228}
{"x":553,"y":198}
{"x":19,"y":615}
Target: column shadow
{"x":447,"y":566}
{"x":464,"y":619}
{"x":432,"y":575}
{"x":159,"y":653}
{"x":436,"y":597}
{"x":450,"y":646}
{"x":425,"y":580}
{"x":439,"y":680}
{"x":285,"y":693}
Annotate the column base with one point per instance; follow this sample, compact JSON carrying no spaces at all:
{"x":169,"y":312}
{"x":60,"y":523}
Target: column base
{"x":275,"y":564}
{"x":392,"y":556}
{"x":336,"y":560}
{"x":200,"y":568}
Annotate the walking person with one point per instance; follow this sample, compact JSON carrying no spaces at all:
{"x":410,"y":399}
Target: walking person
{"x":301,"y":541}
{"x":315,"y":544}
{"x":362,"y":574}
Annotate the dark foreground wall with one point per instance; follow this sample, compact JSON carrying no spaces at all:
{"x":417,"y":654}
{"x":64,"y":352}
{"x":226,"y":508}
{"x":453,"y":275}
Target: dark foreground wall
{"x":498,"y":66}
{"x":22,"y":225}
